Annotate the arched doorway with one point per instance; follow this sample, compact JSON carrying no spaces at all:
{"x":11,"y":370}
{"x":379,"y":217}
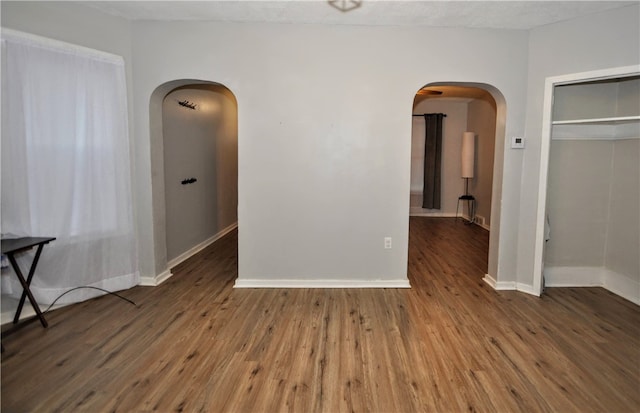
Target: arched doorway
{"x":470,"y":104}
{"x":194,"y":134}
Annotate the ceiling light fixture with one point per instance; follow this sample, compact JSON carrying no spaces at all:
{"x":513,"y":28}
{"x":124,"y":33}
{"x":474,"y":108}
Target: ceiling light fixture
{"x":345,"y":5}
{"x":187,"y":104}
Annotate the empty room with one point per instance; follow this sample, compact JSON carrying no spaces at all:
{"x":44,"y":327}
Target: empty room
{"x":320,"y":206}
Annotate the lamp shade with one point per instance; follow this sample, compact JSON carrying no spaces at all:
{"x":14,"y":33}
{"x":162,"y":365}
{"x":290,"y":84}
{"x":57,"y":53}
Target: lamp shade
{"x":468,"y":153}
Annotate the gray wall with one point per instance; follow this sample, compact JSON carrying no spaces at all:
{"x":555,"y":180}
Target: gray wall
{"x":623,"y":238}
{"x":199,"y":143}
{"x":578,"y":202}
{"x":593,"y":203}
{"x":324,"y":128}
{"x":597,"y":41}
{"x":324,"y":133}
{"x":597,"y":100}
{"x":482,"y":121}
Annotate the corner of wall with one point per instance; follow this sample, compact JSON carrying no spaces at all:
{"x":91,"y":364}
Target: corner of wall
{"x":157,"y":280}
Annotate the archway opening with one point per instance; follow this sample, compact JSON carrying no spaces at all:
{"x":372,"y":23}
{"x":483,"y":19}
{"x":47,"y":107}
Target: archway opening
{"x":194,"y":133}
{"x":469,"y":107}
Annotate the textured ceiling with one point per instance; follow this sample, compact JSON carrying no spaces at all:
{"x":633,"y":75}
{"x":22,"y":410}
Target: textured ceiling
{"x":474,"y":14}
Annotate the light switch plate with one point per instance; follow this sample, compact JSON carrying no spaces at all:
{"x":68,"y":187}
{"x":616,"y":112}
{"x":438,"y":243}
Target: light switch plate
{"x":517,"y":142}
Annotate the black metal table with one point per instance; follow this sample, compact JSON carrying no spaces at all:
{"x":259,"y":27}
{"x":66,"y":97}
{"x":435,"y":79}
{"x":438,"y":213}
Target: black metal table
{"x":471,"y":207}
{"x":12,"y":246}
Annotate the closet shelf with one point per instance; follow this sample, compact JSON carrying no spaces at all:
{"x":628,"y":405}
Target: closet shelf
{"x":601,"y":121}
{"x":627,"y":127}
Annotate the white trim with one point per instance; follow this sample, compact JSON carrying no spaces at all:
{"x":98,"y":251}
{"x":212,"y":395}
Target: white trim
{"x":204,"y":244}
{"x":545,"y":142}
{"x":147,"y":281}
{"x":491,"y":281}
{"x":612,"y":281}
{"x":421,"y":212}
{"x":582,"y":132}
{"x":499,"y":285}
{"x":415,"y":213}
{"x":573,"y":276}
{"x":508,"y":285}
{"x":483,"y":224}
{"x":621,"y":285}
{"x":166,"y":274}
{"x":616,"y":119}
{"x":157,"y":280}
{"x":6,"y":317}
{"x":60,"y":46}
{"x":527,"y":289}
{"x":262,"y":283}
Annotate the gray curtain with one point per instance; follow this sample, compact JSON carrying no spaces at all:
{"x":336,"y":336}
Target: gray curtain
{"x":432,"y":160}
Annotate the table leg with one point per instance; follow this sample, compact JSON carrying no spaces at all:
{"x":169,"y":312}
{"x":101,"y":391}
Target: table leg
{"x":26,"y":292}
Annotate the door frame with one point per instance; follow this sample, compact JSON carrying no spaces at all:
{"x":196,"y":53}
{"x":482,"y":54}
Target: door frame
{"x":545,"y":145}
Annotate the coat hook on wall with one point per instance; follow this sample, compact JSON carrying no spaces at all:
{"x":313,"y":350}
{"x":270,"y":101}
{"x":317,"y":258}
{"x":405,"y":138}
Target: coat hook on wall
{"x":188,"y":181}
{"x":187,"y":104}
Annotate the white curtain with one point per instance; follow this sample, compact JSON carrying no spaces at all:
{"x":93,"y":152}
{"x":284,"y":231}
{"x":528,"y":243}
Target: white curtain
{"x":66,"y":166}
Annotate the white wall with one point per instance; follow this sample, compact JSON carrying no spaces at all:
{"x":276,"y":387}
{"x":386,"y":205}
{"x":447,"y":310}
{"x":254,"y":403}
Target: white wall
{"x":578,"y":198}
{"x":482,"y":121}
{"x":623,"y":232}
{"x":598,"y":41}
{"x":324,"y":130}
{"x":199,"y":144}
{"x":593,"y":203}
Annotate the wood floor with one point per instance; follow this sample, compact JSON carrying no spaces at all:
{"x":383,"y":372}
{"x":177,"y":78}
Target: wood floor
{"x":449,"y":344}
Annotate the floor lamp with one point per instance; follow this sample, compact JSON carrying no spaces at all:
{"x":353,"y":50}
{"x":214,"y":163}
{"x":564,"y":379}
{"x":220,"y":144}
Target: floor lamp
{"x":468,"y":155}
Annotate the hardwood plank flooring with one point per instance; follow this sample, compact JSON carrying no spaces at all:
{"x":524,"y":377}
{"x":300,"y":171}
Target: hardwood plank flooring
{"x":449,"y":344}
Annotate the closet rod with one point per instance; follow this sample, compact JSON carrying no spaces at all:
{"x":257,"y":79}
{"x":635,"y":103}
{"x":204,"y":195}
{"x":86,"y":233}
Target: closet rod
{"x":444,"y":114}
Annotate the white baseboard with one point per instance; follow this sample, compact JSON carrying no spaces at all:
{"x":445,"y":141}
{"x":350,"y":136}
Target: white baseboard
{"x":573,"y":276}
{"x":157,"y":280}
{"x":491,"y":281}
{"x":481,"y":222}
{"x":166,"y":274}
{"x":509,"y":285}
{"x":420,"y":212}
{"x":261,"y":283}
{"x":6,"y":317}
{"x":622,"y":285}
{"x":615,"y":282}
{"x":204,"y":244}
{"x":499,"y":285}
{"x":527,"y":289}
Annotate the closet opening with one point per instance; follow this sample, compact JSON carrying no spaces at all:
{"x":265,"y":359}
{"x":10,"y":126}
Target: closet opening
{"x":195,"y":134}
{"x":444,"y":198}
{"x":588,"y":227}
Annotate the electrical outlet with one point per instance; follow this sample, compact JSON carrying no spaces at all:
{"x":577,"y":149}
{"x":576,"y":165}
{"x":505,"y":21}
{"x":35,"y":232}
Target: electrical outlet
{"x":387,"y":243}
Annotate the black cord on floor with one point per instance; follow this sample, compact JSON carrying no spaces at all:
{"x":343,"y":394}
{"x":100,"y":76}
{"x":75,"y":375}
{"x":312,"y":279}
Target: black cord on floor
{"x":86,"y":286}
